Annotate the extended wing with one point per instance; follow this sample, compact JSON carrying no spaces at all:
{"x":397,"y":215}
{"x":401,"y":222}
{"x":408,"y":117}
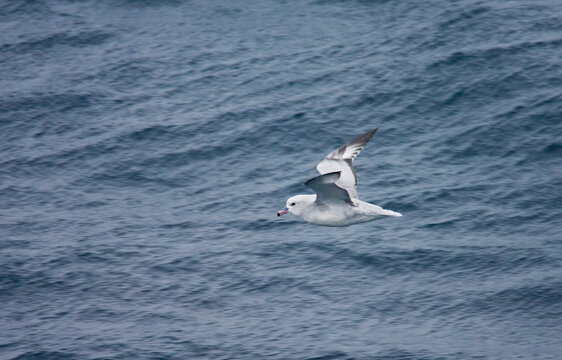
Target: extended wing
{"x":341,"y":160}
{"x":327,"y":191}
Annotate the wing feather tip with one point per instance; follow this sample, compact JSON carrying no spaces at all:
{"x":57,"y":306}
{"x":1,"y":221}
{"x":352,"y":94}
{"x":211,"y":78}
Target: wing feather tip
{"x":366,"y":137}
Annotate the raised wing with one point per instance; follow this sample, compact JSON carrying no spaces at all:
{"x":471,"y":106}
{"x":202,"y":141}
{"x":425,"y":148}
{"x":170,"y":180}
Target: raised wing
{"x":327,"y":192}
{"x":341,"y":160}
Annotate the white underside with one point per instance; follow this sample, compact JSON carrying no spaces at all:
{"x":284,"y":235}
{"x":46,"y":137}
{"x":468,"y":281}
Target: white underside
{"x":344,"y":215}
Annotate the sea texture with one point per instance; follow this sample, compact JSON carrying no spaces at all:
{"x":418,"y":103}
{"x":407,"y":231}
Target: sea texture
{"x":146,"y":146}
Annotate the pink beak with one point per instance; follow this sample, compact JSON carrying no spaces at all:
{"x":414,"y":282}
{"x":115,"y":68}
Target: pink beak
{"x":282,"y":212}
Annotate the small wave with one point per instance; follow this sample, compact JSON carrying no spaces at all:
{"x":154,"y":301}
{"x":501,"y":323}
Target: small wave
{"x":82,"y":39}
{"x":47,"y":355}
{"x":492,"y":55}
{"x":554,"y":149}
{"x":333,"y":355}
{"x":463,"y":17}
{"x":533,"y":301}
{"x":43,"y":104}
{"x":474,"y":261}
{"x":183,"y":264}
{"x":24,"y":7}
{"x":150,"y":3}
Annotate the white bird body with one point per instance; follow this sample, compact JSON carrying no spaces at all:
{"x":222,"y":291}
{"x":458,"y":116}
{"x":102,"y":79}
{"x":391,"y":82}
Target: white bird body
{"x":336,"y":202}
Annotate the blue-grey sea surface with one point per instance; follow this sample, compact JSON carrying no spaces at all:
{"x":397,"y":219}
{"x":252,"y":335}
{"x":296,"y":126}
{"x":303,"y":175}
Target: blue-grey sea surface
{"x":146,"y":146}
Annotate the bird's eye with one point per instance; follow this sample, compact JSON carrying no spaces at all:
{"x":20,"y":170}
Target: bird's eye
{"x":292,"y":204}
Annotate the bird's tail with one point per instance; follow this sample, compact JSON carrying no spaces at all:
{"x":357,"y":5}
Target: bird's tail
{"x":392,"y":213}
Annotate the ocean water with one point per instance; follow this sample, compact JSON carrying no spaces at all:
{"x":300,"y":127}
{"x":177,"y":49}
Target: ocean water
{"x":145,"y":147}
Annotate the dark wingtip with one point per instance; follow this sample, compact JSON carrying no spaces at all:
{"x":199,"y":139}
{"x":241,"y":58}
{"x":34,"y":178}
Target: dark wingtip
{"x":372,"y":132}
{"x":366,"y":136}
{"x":362,"y":139}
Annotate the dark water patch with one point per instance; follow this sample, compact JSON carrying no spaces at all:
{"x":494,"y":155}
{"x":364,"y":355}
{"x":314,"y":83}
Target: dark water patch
{"x":487,"y":91}
{"x":442,"y":223}
{"x":532,"y":301}
{"x":383,"y":97}
{"x":457,"y":193}
{"x":126,"y":168}
{"x":149,"y":3}
{"x":34,"y":283}
{"x":334,"y":355}
{"x":156,"y":133}
{"x":122,"y":178}
{"x":480,"y":59}
{"x":537,"y":300}
{"x":128,"y":73}
{"x":299,"y":84}
{"x":46,"y":355}
{"x":351,"y":4}
{"x":197,"y":155}
{"x":62,"y":102}
{"x":99,"y":313}
{"x":183,"y":265}
{"x":82,"y":39}
{"x":478,"y":261}
{"x":41,"y":166}
{"x":526,"y":110}
{"x":24,"y":7}
{"x":548,"y":23}
{"x":90,"y":204}
{"x":35,"y":227}
{"x":553,"y":150}
{"x":457,"y":19}
{"x":535,"y":196}
{"x":261,"y":224}
{"x":399,"y":354}
{"x":500,"y":139}
{"x":265,"y":285}
{"x":181,"y":225}
{"x":528,"y":221}
{"x":12,"y":195}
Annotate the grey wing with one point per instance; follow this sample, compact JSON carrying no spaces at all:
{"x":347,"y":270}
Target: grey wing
{"x":341,"y":160}
{"x":327,"y":191}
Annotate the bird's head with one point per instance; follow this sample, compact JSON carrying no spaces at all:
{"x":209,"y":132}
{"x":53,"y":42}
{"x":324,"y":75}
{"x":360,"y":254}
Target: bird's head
{"x":297,"y":204}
